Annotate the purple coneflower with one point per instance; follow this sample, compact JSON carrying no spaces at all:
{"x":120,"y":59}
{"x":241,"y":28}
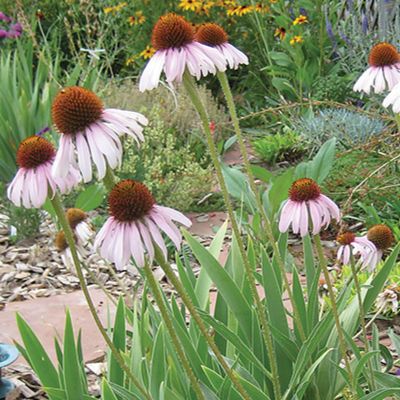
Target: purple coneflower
{"x":214,"y":35}
{"x":351,"y":244}
{"x":382,"y":237}
{"x":91,"y":130}
{"x":383,"y":72}
{"x":65,"y":252}
{"x":135,"y":223}
{"x":30,"y":186}
{"x":176,"y":50}
{"x":305,"y":203}
{"x":82,"y":229}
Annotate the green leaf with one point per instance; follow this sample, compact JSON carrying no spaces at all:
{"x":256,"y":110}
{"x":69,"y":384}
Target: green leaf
{"x":261,"y":173}
{"x":116,"y":373}
{"x":158,"y":367}
{"x":38,"y":357}
{"x":381,"y":394}
{"x":106,"y":392}
{"x":71,"y":366}
{"x":91,"y":197}
{"x":319,"y":167}
{"x":226,"y":286}
{"x":204,"y":282}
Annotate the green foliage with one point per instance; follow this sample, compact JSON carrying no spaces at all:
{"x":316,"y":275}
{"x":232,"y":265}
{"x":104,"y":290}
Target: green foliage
{"x":349,"y":128}
{"x":29,"y":83}
{"x":168,"y":169}
{"x":279,"y":147}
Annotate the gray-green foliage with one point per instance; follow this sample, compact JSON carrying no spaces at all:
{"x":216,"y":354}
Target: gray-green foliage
{"x":349,"y":128}
{"x":168,"y":168}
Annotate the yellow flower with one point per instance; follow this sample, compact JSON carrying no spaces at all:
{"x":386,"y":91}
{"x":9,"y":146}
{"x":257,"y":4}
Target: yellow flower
{"x":273,"y":1}
{"x":296,"y":39}
{"x":147,"y":52}
{"x":226,"y":3}
{"x":239,"y":11}
{"x":190,"y":5}
{"x":301,"y":19}
{"x":130,"y":60}
{"x":114,"y":9}
{"x":280,"y":32}
{"x":261,"y":8}
{"x":137,"y":19}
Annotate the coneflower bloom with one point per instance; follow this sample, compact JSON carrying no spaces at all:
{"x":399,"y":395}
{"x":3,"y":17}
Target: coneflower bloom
{"x":351,"y":244}
{"x":82,"y":229}
{"x":65,"y":252}
{"x":214,"y":35}
{"x":383,"y":72}
{"x":135,"y":223}
{"x":382,"y":237}
{"x":176,"y":50}
{"x":33,"y":182}
{"x":92,"y":131}
{"x":305,"y":203}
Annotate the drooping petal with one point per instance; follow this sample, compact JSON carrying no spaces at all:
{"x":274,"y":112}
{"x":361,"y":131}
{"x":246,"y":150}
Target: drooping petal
{"x":84,"y":158}
{"x":151,"y":74}
{"x":286,"y":217}
{"x":174,"y":215}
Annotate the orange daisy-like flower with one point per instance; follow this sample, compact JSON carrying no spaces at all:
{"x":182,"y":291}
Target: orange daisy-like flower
{"x":301,"y":19}
{"x":296,"y":39}
{"x":280,"y":32}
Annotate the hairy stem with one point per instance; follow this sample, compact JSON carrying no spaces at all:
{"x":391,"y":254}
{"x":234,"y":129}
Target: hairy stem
{"x":58,"y":208}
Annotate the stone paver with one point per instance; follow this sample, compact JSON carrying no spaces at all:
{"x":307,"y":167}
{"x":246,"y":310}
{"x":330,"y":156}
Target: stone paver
{"x":46,"y":316}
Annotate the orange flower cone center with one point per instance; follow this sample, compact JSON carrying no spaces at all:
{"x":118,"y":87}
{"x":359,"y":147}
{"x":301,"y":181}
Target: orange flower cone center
{"x":130,"y":200}
{"x":171,"y":31}
{"x":34,"y":151}
{"x":74,"y":109}
{"x":383,"y":54}
{"x":304,"y":189}
{"x":381,"y":236}
{"x":211,"y":35}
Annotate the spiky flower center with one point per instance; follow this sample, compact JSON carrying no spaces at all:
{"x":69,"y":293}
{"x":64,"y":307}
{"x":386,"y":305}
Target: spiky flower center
{"x":346,"y":238}
{"x":74,"y":109}
{"x":211,"y":35}
{"x":381,"y":236}
{"x":130,"y":200}
{"x":61,"y":241}
{"x":75,"y":216}
{"x":383,"y":54}
{"x":304,"y":189}
{"x":34,"y":151}
{"x":171,"y":31}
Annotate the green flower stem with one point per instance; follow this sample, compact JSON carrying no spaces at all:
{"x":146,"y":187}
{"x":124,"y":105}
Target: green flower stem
{"x":193,"y":94}
{"x":362,"y":318}
{"x":342,"y":343}
{"x":109,"y":179}
{"x":397,"y":119}
{"x":58,"y":208}
{"x":155,"y":289}
{"x":223,"y":79}
{"x":196,"y":316}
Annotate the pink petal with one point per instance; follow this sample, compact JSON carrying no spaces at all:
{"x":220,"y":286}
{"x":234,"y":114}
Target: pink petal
{"x":174,"y":215}
{"x":152,"y":71}
{"x":156,"y":235}
{"x":84,"y":159}
{"x":146,"y":239}
{"x":286,"y":217}
{"x":316,"y":216}
{"x":136,"y":246}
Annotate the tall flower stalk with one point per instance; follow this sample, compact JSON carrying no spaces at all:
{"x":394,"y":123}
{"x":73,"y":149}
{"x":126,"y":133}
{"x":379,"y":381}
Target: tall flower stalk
{"x":58,"y":208}
{"x":187,"y":301}
{"x":155,"y":289}
{"x":267,"y":225}
{"x":342,"y":343}
{"x":267,"y":336}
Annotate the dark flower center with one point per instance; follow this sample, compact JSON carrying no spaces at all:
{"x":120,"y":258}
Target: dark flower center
{"x":34,"y":151}
{"x":383,"y":54}
{"x":381,"y":236}
{"x":74,"y":109}
{"x":75,"y":216}
{"x":211,"y":35}
{"x":304,"y":189}
{"x":346,"y":238}
{"x":61,"y":241}
{"x":130,"y":200}
{"x":171,"y":31}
